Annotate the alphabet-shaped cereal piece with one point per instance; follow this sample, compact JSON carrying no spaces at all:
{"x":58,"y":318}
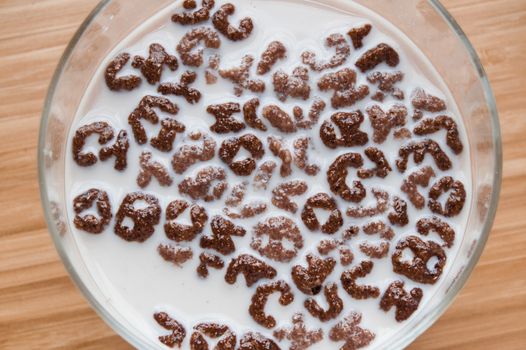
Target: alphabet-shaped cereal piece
{"x":178,"y":332}
{"x":182,"y":88}
{"x":274,"y":51}
{"x":201,"y":15}
{"x":404,"y":302}
{"x":90,"y":223}
{"x":201,"y":185}
{"x":373,"y":57}
{"x":128,"y":82}
{"x":417,"y":269}
{"x":191,"y":40}
{"x":144,"y":219}
{"x":252,"y":268}
{"x":260,"y":298}
{"x":221,"y":23}
{"x":349,"y":126}
{"x":299,"y":336}
{"x":310,"y":280}
{"x":221,"y":238}
{"x":182,"y":232}
{"x":337,"y":177}
{"x":152,"y":67}
{"x":342,"y":52}
{"x":349,"y":277}
{"x":349,"y":331}
{"x":149,"y":169}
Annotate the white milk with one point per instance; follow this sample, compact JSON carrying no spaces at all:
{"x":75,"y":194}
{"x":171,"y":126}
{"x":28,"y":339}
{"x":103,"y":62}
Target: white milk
{"x":139,"y":282}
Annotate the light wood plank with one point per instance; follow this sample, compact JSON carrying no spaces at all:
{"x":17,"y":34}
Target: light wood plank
{"x":41,"y":308}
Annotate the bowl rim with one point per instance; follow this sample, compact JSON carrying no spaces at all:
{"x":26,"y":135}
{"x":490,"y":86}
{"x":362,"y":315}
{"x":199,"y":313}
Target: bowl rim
{"x":403,"y":342}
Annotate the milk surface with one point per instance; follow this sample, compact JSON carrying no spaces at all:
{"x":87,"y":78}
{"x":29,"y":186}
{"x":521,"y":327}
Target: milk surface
{"x":138,"y":282}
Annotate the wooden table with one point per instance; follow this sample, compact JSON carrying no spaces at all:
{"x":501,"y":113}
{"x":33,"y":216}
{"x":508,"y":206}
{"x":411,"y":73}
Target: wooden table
{"x":40,"y":308}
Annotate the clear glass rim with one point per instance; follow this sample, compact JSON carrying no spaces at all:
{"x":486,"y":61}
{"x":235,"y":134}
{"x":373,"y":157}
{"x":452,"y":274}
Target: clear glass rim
{"x":403,"y":342}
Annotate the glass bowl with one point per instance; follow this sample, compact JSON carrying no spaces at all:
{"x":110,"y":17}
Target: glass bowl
{"x":425,"y":22}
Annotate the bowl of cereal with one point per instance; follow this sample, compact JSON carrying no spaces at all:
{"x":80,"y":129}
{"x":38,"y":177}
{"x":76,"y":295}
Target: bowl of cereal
{"x":266,"y":174}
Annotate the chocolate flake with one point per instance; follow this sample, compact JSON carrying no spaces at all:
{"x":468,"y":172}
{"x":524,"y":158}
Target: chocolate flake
{"x":250,"y":115}
{"x":247,"y":211}
{"x":382,"y":122}
{"x":264,"y":174}
{"x":279,"y":119}
{"x":301,"y":159}
{"x":349,"y":277}
{"x":255,"y":341}
{"x":382,"y":204}
{"x":237,"y":195}
{"x":375,"y":251}
{"x":145,"y":110}
{"x":386,"y":82}
{"x":379,"y":228}
{"x":318,"y":106}
{"x":227,"y":339}
{"x":378,"y":158}
{"x":278,"y":149}
{"x":399,"y":214}
{"x":446,"y":232}
{"x":119,"y":150}
{"x":422,"y":100}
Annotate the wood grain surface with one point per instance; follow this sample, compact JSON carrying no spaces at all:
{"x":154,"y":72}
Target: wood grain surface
{"x":40,"y":308}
